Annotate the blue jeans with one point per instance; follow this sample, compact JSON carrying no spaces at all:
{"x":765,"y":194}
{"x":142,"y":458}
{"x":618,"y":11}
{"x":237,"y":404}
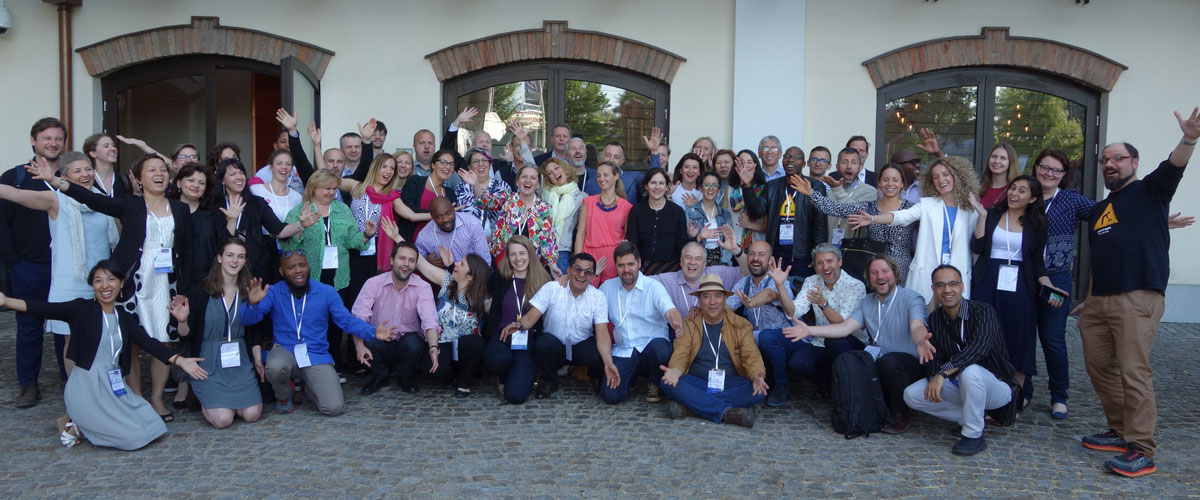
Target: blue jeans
{"x":31,"y":280}
{"x":515,"y":367}
{"x":564,"y":260}
{"x":692,"y":392}
{"x":806,"y":360}
{"x":657,"y":352}
{"x":1052,"y":329}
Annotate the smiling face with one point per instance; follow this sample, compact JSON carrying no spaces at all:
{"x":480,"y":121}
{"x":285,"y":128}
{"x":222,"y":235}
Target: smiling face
{"x":628,"y":267}
{"x":712,"y":305}
{"x":1050,"y":172}
{"x":948,"y":288}
{"x":186,"y":154}
{"x":1019,"y":194}
{"x":883,"y":280}
{"x":828,"y":266}
{"x":998,"y":162}
{"x":664,"y":155}
{"x":352,"y":149}
{"x":709,"y":185}
{"x":793,"y":159}
{"x":387,"y":171}
{"x":527,"y":181}
{"x":480,"y":165}
{"x":862,"y":148}
{"x":848,"y":166}
{"x":105,"y":286}
{"x":818,"y":163}
{"x":605,"y":178}
{"x":576,"y":153}
{"x":403,"y":263}
{"x":582,"y":272}
{"x":377,"y":138}
{"x":235,"y":180}
{"x":443,"y":167}
{"x":106,"y":150}
{"x":192,"y":187}
{"x":690,"y":170}
{"x":691,"y":262}
{"x":324,"y":195}
{"x":518,"y":257}
{"x":461,"y":272}
{"x":758,"y":258}
{"x":890,"y":182}
{"x":232,"y":258}
{"x":1120,"y":167}
{"x":943,"y":180}
{"x":554,"y":174}
{"x":80,"y":172}
{"x":656,"y":186}
{"x":154,"y":176}
{"x":769,"y":152}
{"x":281,"y":167}
{"x":49,"y":143}
{"x":294,"y":269}
{"x":404,"y":166}
{"x":613,"y":154}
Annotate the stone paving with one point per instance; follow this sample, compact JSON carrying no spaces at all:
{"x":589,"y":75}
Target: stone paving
{"x":430,"y":445}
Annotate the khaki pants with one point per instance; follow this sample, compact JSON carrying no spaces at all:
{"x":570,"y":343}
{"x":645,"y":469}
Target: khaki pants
{"x":1118,"y":332}
{"x":321,"y":385}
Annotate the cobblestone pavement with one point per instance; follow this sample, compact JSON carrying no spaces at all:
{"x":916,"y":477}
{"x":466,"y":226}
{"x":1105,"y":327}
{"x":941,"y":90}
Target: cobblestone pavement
{"x":392,"y":444}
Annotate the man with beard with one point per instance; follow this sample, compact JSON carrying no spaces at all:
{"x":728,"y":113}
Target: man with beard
{"x":459,"y":232}
{"x":301,"y":347}
{"x":577,"y":157}
{"x":1127,"y":232}
{"x":849,"y":190}
{"x":26,"y":253}
{"x":757,"y":294}
{"x":859,"y":144}
{"x":680,"y":284}
{"x":392,"y":298}
{"x":640,"y":311}
{"x":894,"y":318}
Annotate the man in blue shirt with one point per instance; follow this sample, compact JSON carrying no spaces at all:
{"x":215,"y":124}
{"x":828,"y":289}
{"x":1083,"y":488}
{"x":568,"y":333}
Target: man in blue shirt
{"x":301,"y":347}
{"x":639,"y":309}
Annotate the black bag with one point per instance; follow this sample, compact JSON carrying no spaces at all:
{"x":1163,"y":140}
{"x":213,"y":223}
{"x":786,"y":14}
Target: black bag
{"x":1007,"y":415}
{"x":858,"y":405}
{"x":857,"y":251}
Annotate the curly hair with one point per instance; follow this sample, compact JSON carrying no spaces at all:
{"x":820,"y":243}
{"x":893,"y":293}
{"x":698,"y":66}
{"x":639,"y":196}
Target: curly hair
{"x":965,"y":181}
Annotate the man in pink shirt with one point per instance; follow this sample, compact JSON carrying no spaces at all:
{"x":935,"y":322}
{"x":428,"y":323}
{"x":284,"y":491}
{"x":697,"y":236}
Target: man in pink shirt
{"x":391,"y":298}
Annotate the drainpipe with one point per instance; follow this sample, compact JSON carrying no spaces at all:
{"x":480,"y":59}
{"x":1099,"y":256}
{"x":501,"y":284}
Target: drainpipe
{"x":66,"y":111}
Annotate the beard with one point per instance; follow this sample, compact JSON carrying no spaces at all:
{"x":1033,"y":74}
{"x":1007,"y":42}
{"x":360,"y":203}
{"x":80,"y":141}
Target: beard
{"x":580,"y":164}
{"x":401,"y":275}
{"x":1116,"y":183}
{"x":758,"y":272}
{"x":297,"y":290}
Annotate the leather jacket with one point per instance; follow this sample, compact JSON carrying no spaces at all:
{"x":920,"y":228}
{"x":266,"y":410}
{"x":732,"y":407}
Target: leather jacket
{"x":811,"y":227}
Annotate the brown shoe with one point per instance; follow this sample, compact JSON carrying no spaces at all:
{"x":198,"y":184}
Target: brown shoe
{"x":653,"y":393}
{"x":676,"y":410}
{"x":900,"y":424}
{"x":740,"y":416}
{"x":30,"y":395}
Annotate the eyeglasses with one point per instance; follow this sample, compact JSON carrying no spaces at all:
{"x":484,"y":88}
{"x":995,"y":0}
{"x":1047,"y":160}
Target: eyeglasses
{"x":479,"y":161}
{"x":771,"y":149}
{"x":914,"y":162}
{"x":818,"y":161}
{"x":941,"y":284}
{"x":1047,"y":169}
{"x":448,"y":163}
{"x":289,"y":253}
{"x":709,"y":185}
{"x":580,"y":270}
{"x":1116,"y":159}
{"x":793,"y":157}
{"x":188,"y":157}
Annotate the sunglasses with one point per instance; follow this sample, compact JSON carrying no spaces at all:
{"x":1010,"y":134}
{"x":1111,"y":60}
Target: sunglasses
{"x":289,"y":253}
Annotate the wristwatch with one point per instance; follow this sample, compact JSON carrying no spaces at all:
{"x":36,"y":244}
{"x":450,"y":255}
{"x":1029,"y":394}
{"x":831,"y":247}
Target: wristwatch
{"x":435,"y":349}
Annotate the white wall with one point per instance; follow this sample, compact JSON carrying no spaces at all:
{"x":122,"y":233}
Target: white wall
{"x":28,"y":77}
{"x":768,"y":72}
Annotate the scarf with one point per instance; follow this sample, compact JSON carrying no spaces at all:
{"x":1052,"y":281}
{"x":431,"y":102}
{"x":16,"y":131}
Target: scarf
{"x":561,"y":200}
{"x":71,"y":212}
{"x":383,"y":244}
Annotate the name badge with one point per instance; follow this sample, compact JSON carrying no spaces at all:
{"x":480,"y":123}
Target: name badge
{"x":370,"y":248}
{"x":301,"y":353}
{"x":116,"y":382}
{"x":716,"y":381}
{"x":520,"y":340}
{"x":838,"y":236}
{"x":162,"y":261}
{"x":873,"y":350}
{"x":715,"y":240}
{"x":231,"y":355}
{"x":785,"y":233}
{"x":945,"y":259}
{"x":569,"y":350}
{"x":1007,"y":281}
{"x":330,"y":259}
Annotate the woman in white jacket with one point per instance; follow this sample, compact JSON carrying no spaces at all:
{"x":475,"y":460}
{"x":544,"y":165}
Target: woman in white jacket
{"x":947,"y":221}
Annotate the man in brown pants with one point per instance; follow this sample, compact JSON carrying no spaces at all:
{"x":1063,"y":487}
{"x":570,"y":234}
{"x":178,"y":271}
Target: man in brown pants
{"x":1127,"y":232}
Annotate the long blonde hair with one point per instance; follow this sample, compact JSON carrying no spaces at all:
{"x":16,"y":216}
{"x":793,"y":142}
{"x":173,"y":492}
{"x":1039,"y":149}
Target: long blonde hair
{"x":373,"y":176}
{"x":619,"y":186}
{"x":535,"y":275}
{"x":965,"y":181}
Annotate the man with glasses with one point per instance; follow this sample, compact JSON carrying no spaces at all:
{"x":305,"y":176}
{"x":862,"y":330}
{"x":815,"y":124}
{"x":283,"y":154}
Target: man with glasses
{"x":459,"y":232}
{"x":910,"y":164}
{"x":970,"y":373}
{"x":1127,"y":232}
{"x":576,"y":314}
{"x":768,"y":152}
{"x":819,"y":161}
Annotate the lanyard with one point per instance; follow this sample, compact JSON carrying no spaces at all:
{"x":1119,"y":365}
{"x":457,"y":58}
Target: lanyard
{"x":1007,"y":239}
{"x":437,"y":235}
{"x":621,"y":312}
{"x":949,"y":223}
{"x":328,"y":231}
{"x":1051,"y":200}
{"x":229,"y":319}
{"x":787,"y":200}
{"x":429,"y":180}
{"x":114,"y":345}
{"x":520,"y":299}
{"x":711,"y":345}
{"x":883,"y":313}
{"x":683,"y":293}
{"x":299,"y":319}
{"x":278,"y":203}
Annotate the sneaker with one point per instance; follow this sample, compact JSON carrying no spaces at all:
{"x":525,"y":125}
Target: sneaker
{"x":1132,"y":463}
{"x":777,"y":397}
{"x":341,"y":378}
{"x":546,"y":390}
{"x":969,"y":446}
{"x":372,"y":387}
{"x":740,"y":416}
{"x":653,"y":393}
{"x":899,"y":425}
{"x":1105,"y":441}
{"x":284,"y":406}
{"x":676,"y":410}
{"x":29,"y":397}
{"x":462,"y":394}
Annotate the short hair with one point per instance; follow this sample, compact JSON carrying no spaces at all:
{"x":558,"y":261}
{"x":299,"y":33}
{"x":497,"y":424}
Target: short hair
{"x":348,"y":135}
{"x":848,"y":151}
{"x":108,"y":266}
{"x":214,"y":154}
{"x":826,"y":247}
{"x":478,"y":151}
{"x":884,"y":257}
{"x":617,"y":144}
{"x":768,"y":138}
{"x":859,"y":138}
{"x":626,"y":248}
{"x":560,"y":125}
{"x":945,"y":266}
{"x":136,"y":169}
{"x":423,"y":131}
{"x":71,"y":157}
{"x":819,"y":149}
{"x":380,"y":127}
{"x":43,"y":124}
{"x":319,"y":179}
{"x":585,"y":257}
{"x":573,"y":139}
{"x":405,"y":244}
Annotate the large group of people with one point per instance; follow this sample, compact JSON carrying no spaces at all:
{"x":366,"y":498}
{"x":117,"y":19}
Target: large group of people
{"x":715,"y":282}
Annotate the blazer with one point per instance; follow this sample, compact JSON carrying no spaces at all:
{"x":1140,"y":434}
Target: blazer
{"x":131,"y":211}
{"x":807,"y":216}
{"x":1033,"y":247}
{"x":737,"y":335}
{"x":500,"y":288}
{"x":927,"y":251}
{"x":87,"y":327}
{"x":256,"y":216}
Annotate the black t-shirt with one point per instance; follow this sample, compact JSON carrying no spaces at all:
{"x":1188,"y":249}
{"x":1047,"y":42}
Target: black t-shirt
{"x":1129,"y":237}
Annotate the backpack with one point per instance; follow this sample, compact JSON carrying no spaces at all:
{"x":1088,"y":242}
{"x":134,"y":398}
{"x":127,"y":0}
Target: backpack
{"x":858,"y":404}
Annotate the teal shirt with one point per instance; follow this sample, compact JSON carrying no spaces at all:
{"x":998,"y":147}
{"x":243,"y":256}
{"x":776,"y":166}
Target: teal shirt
{"x":344,"y":234}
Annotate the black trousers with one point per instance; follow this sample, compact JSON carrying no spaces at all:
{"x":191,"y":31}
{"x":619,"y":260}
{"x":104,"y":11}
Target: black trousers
{"x":898,"y":370}
{"x":470,"y":357}
{"x":515,"y":367}
{"x":401,"y":356}
{"x":549,"y":354}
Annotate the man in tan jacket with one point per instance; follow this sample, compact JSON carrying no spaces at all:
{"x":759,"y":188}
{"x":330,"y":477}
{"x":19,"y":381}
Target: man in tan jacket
{"x":715,"y":371}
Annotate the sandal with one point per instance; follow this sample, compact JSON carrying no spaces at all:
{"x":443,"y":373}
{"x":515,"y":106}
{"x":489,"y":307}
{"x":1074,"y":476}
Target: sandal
{"x":1058,"y":411}
{"x":168,"y":418}
{"x":68,"y":432}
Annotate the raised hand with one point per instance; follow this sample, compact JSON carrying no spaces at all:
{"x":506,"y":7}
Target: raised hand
{"x":670,"y":375}
{"x":366,"y":130}
{"x":287,"y":120}
{"x":929,"y":143}
{"x":973,"y":198}
{"x":137,"y":143}
{"x":314,"y":135}
{"x":436,"y":259}
{"x":369,"y":229}
{"x":800,"y":184}
{"x":654,"y":141}
{"x":1191,"y":125}
{"x":745,"y":172}
{"x":468,"y":176}
{"x":690,"y":199}
{"x":445,"y":255}
{"x":778,"y":273}
{"x":308,"y":216}
{"x":390,"y":229}
{"x":1177,"y":220}
{"x":829,"y":180}
{"x":179,"y":308}
{"x":860,"y":220}
{"x":815,"y":296}
{"x":693,"y":229}
{"x":41,"y":169}
{"x":798,"y":331}
{"x":257,"y":292}
{"x":234,"y":210}
{"x":520,"y":134}
{"x":601,"y":265}
{"x":466,"y":116}
{"x":726,"y":238}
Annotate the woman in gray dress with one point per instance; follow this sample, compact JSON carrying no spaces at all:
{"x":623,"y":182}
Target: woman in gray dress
{"x":218,"y":338}
{"x":97,"y":401}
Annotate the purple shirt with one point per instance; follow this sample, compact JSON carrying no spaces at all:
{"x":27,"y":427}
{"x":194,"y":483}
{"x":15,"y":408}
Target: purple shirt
{"x":380,"y":301}
{"x":467,"y":238}
{"x":678,"y":287}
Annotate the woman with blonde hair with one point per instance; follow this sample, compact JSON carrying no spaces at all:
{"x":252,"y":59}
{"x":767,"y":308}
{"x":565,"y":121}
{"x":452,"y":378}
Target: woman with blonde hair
{"x":602,"y":221}
{"x":560,"y":191}
{"x":1002,"y":168}
{"x":517,"y":279}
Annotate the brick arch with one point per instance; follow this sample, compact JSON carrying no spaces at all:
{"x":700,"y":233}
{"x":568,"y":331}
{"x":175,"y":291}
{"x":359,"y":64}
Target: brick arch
{"x":204,"y":36}
{"x":994,"y":47}
{"x":554,"y":41}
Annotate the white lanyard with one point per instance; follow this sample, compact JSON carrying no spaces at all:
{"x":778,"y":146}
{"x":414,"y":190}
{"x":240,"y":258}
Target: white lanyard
{"x":328,"y":224}
{"x":683,"y":293}
{"x":1051,"y":200}
{"x":1007,"y":239}
{"x":949,"y":223}
{"x":787,"y":200}
{"x":299,"y":319}
{"x":162,"y":233}
{"x":453,"y":234}
{"x":111,"y":185}
{"x":716,"y":356}
{"x":621,"y":312}
{"x":115,"y":345}
{"x":429,"y":180}
{"x":883,"y":313}
{"x":229,"y":319}
{"x":962,"y":329}
{"x":712,"y":218}
{"x":282,"y":204}
{"x":519,"y":298}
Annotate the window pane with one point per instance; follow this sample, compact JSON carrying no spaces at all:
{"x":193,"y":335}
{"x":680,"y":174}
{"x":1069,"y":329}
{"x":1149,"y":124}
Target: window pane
{"x":162,"y":113}
{"x":1032,"y":121}
{"x":234,"y":117}
{"x":950,"y":113}
{"x":605,"y":113}
{"x":520,"y":101}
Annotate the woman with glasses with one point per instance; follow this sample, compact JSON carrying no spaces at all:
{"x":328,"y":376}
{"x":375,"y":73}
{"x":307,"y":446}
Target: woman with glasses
{"x":560,"y":191}
{"x":251,"y":218}
{"x":479,"y":162}
{"x":520,"y":213}
{"x":602,"y":220}
{"x":419,"y":191}
{"x":657,"y":226}
{"x":708,"y":223}
{"x":748,"y":183}
{"x":1002,"y":168}
{"x":183,"y":154}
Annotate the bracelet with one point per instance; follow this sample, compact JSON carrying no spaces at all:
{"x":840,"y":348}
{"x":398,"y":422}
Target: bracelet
{"x":435,"y":348}
{"x":1187,"y":142}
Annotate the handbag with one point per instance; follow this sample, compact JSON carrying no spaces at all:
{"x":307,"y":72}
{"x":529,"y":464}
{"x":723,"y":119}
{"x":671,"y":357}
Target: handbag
{"x":857,"y":251}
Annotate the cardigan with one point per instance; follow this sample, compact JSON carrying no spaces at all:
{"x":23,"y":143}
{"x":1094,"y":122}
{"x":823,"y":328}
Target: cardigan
{"x":500,"y":288}
{"x":1033,"y":246}
{"x":344,"y":234}
{"x":737,"y":335}
{"x":83,"y":316}
{"x":131,"y":212}
{"x":659,"y":234}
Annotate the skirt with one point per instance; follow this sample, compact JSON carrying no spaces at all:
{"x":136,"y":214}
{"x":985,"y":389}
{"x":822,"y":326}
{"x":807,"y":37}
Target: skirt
{"x":126,"y":422}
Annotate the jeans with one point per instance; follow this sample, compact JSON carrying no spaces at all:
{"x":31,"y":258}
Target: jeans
{"x":30,"y":280}
{"x":515,"y":367}
{"x":1052,"y":329}
{"x":564,"y":260}
{"x":815,"y":363}
{"x":646,"y":362}
{"x":692,"y":392}
{"x":549,"y":354}
{"x":403,"y":354}
{"x":898,"y":370}
{"x":977,"y":391}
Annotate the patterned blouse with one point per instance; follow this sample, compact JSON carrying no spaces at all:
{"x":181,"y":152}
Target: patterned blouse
{"x":454,"y":315}
{"x":1065,"y":210}
{"x":536,"y":222}
{"x":899,"y":239}
{"x":364,"y":211}
{"x":466,"y":196}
